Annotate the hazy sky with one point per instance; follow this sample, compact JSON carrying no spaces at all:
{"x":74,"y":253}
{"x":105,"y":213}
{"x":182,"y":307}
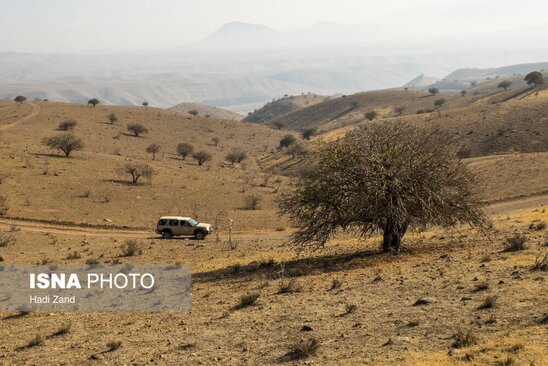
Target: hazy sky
{"x":80,"y":26}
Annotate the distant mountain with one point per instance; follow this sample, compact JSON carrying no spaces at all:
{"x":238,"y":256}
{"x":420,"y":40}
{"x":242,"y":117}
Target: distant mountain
{"x":239,"y":35}
{"x":205,"y":110}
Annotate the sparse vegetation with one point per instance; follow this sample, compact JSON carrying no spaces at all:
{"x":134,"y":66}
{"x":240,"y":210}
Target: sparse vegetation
{"x":129,"y":248}
{"x":252,"y":202}
{"x":296,"y":149}
{"x":201,"y":157}
{"x":504,"y":84}
{"x":303,"y":349}
{"x":193,"y":112}
{"x":247,"y":301}
{"x":287,"y":141}
{"x":439,"y":102}
{"x":153,"y":149}
{"x":20,"y":99}
{"x":489,"y":303}
{"x":534,"y":78}
{"x":433,"y":91}
{"x":308,"y":133}
{"x":137,"y":129}
{"x":440,"y":192}
{"x":93,"y":102}
{"x":515,"y":243}
{"x":68,"y":124}
{"x":67,"y":143}
{"x":215,"y":141}
{"x":184,"y":150}
{"x":463,"y":339}
{"x":371,"y":115}
{"x":399,"y":110}
{"x":112,"y":118}
{"x":145,"y":104}
{"x":236,"y":156}
{"x":278,"y":125}
{"x":113,"y":345}
{"x":137,"y":171}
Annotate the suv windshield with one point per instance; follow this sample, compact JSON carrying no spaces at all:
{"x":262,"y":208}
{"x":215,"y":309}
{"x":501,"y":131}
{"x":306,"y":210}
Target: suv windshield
{"x":193,"y":222}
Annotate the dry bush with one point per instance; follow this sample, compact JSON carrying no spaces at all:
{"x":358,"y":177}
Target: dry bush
{"x":201,"y":157}
{"x":113,"y":345}
{"x":129,"y":248}
{"x":136,"y":170}
{"x":63,"y":329}
{"x":6,"y":238}
{"x":537,"y":226}
{"x":463,"y":339}
{"x":252,"y":202}
{"x":507,"y":361}
{"x":73,"y":255}
{"x":350,"y":308}
{"x":137,"y":129}
{"x":302,"y":349}
{"x":3,"y":205}
{"x":69,"y":124}
{"x":489,"y":303}
{"x":480,"y":287}
{"x":92,"y":262}
{"x":112,"y":118}
{"x":289,"y":287}
{"x":247,"y":300}
{"x":184,"y":150}
{"x":153,"y":149}
{"x":541,"y":262}
{"x":36,"y":341}
{"x":335,"y":284}
{"x":515,"y":243}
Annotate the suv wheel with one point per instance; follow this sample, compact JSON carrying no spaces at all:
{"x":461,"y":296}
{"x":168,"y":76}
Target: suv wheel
{"x":167,"y":234}
{"x":199,"y":235}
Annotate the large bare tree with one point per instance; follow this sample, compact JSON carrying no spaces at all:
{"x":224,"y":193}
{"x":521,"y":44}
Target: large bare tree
{"x":383,"y":177}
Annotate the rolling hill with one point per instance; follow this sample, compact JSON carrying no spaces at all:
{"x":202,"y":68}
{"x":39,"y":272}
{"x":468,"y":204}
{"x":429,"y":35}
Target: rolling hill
{"x":283,"y":106}
{"x":205,"y":110}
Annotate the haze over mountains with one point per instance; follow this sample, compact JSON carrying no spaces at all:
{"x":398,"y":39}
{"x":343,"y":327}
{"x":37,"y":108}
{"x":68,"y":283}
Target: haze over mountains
{"x":241,"y":66}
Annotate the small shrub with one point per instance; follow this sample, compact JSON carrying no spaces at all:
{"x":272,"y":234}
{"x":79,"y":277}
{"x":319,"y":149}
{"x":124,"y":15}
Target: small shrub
{"x":3,"y":205}
{"x":137,"y":129}
{"x":73,"y":255}
{"x":136,"y":170}
{"x":507,"y":361}
{"x":92,"y":262}
{"x":421,"y":301}
{"x":541,"y":262}
{"x":193,"y":112}
{"x":486,"y":258}
{"x":113,"y":345}
{"x":64,"y":329}
{"x":201,"y":157}
{"x":303,"y":349}
{"x":515,"y":243}
{"x":247,"y":300}
{"x":112,"y":118}
{"x":480,"y":287}
{"x":489,"y":303}
{"x":335,"y":284}
{"x":349,"y":309}
{"x":184,"y":150}
{"x":153,"y":149}
{"x":69,"y":124}
{"x":6,"y":238}
{"x":252,"y":202}
{"x":236,"y":156}
{"x":463,"y":339}
{"x":130,"y":248}
{"x":287,"y":141}
{"x":215,"y":141}
{"x":289,"y":287}
{"x":537,"y":226}
{"x":36,"y":341}
{"x":20,"y":99}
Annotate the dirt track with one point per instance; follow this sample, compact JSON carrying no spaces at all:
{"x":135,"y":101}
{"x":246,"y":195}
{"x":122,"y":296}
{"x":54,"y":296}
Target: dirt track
{"x":104,"y":231}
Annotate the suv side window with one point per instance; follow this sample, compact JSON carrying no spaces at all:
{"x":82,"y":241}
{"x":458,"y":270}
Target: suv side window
{"x":162,"y":222}
{"x":173,"y":222}
{"x":185,"y":223}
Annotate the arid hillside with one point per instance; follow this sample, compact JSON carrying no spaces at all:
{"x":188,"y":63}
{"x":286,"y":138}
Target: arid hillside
{"x":281,"y":107}
{"x":197,"y":109}
{"x":87,"y":188}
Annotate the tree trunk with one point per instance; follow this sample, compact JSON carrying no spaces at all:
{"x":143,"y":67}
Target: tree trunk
{"x":392,"y":234}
